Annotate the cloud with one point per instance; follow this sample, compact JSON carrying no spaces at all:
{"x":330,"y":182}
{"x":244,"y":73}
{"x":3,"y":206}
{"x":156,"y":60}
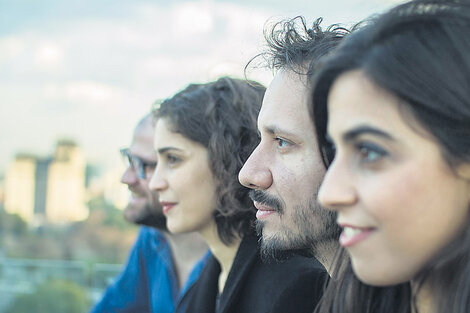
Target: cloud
{"x":90,"y":69}
{"x":48,"y":56}
{"x":192,"y":18}
{"x":10,"y":47}
{"x":90,"y":92}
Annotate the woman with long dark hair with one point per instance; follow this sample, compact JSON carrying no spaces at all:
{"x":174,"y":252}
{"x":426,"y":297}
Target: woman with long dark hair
{"x":203,"y":135}
{"x":392,"y":114}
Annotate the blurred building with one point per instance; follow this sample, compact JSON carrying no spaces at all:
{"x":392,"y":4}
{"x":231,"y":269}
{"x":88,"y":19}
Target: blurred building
{"x":48,"y":189}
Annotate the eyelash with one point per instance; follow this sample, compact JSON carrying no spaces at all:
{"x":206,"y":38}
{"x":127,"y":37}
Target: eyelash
{"x":281,"y":140}
{"x":172,"y":160}
{"x":365,"y":150}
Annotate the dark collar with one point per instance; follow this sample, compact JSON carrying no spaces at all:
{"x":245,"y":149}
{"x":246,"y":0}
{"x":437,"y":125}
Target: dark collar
{"x":204,"y":292}
{"x":246,"y":256}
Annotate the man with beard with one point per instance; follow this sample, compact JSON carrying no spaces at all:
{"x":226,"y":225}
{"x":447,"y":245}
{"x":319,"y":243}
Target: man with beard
{"x":161,"y":266}
{"x":285,"y":170}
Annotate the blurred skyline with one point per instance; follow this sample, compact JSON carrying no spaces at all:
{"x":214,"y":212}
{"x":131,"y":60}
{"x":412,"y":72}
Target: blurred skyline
{"x":88,"y":70}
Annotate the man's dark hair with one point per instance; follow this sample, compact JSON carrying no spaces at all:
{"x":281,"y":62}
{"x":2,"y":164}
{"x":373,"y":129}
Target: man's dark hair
{"x":222,"y":117}
{"x":292,"y":44}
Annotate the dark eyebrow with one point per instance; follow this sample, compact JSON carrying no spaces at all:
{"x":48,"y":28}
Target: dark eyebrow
{"x":165,"y":149}
{"x":276,"y":130}
{"x":366,"y":130}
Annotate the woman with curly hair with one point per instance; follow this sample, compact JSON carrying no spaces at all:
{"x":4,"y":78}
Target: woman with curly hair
{"x":203,"y":136}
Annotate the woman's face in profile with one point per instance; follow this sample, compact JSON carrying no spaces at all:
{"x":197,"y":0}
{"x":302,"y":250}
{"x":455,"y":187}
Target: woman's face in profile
{"x":184,"y":181}
{"x":398,"y":201}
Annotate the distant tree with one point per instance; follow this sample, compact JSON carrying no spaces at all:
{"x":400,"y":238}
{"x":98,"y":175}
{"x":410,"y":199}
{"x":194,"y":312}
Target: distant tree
{"x":12,"y":223}
{"x":53,"y":296}
{"x":112,"y":216}
{"x":105,"y":236}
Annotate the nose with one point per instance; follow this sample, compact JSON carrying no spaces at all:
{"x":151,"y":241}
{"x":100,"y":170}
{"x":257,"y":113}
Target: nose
{"x":129,"y":177}
{"x":157,"y":181}
{"x":337,"y":190}
{"x":255,"y":173}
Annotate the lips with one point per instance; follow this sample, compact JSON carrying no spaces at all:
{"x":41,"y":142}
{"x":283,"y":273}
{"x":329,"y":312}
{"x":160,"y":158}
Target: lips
{"x":263,"y":210}
{"x":167,"y":206}
{"x":352,"y":235}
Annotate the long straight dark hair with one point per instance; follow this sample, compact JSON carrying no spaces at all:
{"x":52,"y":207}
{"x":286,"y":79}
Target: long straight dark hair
{"x":420,"y":52}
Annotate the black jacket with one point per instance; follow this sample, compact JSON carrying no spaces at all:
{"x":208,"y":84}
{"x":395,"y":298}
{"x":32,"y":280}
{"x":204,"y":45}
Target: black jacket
{"x":252,"y":286}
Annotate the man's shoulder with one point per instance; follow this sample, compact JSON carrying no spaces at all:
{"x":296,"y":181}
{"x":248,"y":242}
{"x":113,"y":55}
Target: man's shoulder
{"x":151,"y":241}
{"x":150,"y":233}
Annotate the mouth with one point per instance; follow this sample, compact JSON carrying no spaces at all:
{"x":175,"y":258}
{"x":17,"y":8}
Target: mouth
{"x":352,"y":235}
{"x":263,"y":211}
{"x":136,"y":193}
{"x":167,"y":206}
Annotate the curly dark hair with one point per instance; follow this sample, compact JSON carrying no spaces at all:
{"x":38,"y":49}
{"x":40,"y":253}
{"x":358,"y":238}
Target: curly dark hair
{"x":221,"y":116}
{"x":292,"y":44}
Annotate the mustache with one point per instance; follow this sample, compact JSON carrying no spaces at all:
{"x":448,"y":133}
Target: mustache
{"x":135,"y":190}
{"x":264,"y":198}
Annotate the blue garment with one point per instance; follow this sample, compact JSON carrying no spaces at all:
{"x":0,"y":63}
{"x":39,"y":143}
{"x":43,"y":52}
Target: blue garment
{"x":148,"y":283}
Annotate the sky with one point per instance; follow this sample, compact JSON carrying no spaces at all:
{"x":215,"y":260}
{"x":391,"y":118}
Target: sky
{"x":88,"y":70}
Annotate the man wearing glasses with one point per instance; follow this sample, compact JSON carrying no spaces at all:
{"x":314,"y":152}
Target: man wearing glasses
{"x":161,"y":266}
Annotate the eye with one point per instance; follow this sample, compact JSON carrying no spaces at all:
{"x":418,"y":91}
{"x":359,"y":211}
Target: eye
{"x":282,"y":143}
{"x":370,"y":153}
{"x":172,"y":159}
{"x":149,"y":166}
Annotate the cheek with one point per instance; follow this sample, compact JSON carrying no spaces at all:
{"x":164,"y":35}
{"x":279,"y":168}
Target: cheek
{"x":395,"y":197}
{"x":298,"y":177}
{"x":203,"y":198}
{"x":418,"y":211}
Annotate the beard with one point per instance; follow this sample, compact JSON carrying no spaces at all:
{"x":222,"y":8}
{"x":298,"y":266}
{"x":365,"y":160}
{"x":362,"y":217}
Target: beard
{"x":151,"y":214}
{"x":151,"y":218}
{"x":311,"y":226}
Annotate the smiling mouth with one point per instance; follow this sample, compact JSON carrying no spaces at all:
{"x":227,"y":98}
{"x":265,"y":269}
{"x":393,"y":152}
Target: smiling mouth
{"x":353,"y":235}
{"x":167,"y":206}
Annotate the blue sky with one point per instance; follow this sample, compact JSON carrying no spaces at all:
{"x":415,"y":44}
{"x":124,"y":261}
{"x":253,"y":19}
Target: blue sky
{"x":88,"y":70}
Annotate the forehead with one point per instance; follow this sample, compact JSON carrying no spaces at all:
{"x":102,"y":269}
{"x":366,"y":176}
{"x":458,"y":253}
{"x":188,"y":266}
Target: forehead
{"x":166,"y":138}
{"x":355,"y":100}
{"x":142,"y":140}
{"x":285,"y":103}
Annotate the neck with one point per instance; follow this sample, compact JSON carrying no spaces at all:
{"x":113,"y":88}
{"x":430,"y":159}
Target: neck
{"x":225,"y":254}
{"x":325,"y":254}
{"x":186,"y":250}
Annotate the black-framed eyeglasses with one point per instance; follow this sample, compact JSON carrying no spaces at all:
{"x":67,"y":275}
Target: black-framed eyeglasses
{"x":142,"y":168}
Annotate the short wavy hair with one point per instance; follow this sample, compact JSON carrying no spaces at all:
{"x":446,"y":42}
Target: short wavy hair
{"x":292,"y":44}
{"x":221,"y":116}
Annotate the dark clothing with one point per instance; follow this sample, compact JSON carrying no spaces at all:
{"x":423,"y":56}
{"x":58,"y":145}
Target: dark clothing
{"x":252,"y":286}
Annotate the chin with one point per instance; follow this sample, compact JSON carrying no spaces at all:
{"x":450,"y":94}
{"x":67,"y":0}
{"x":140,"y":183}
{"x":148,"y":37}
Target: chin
{"x":176,"y":228}
{"x":374,"y":276}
